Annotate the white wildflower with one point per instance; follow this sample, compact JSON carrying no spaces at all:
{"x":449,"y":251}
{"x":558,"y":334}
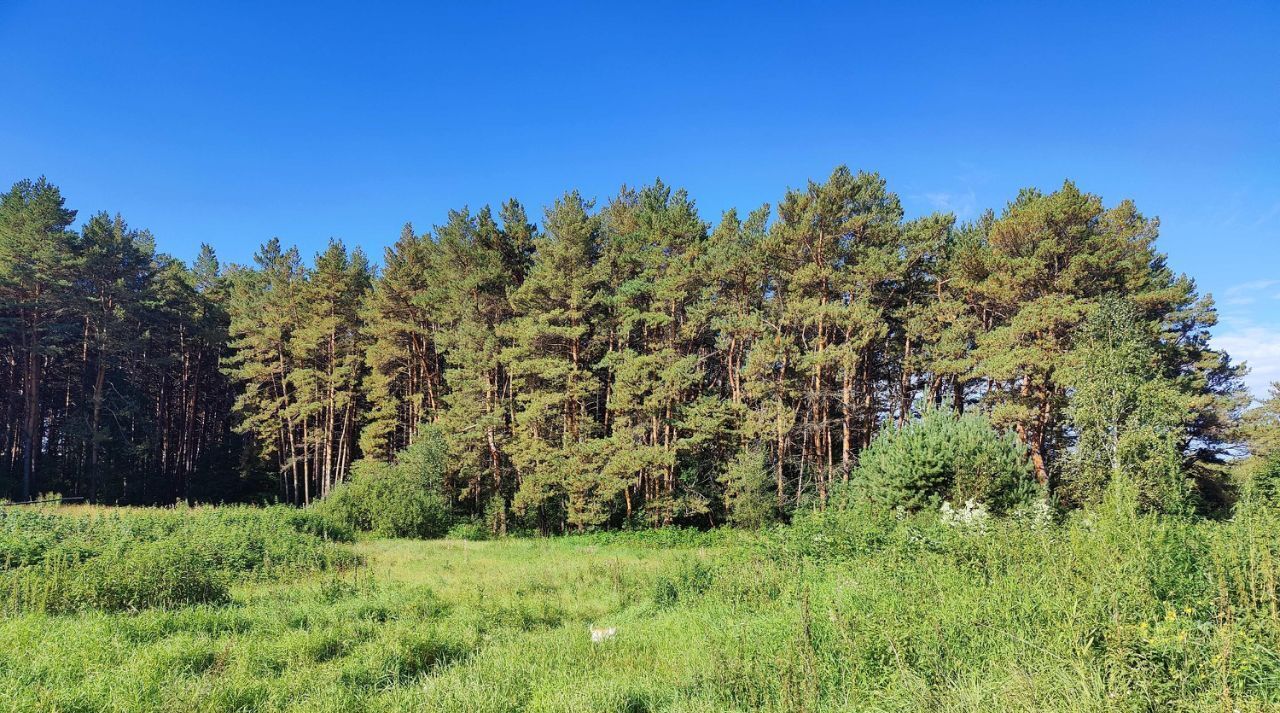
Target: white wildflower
{"x":972,"y":516}
{"x":1038,"y":515}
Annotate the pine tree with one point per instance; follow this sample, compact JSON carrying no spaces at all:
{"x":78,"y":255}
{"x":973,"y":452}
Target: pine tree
{"x":734,"y":294}
{"x":199,"y":445}
{"x":947,"y":327}
{"x":836,"y":246}
{"x":264,"y":305}
{"x":1046,"y":261}
{"x":405,"y":380}
{"x":38,"y":262}
{"x":944,"y":457}
{"x":623,"y":366}
{"x":657,"y":341}
{"x":552,"y":361}
{"x":117,"y":280}
{"x":479,"y":264}
{"x":327,"y":349}
{"x":1262,"y":425}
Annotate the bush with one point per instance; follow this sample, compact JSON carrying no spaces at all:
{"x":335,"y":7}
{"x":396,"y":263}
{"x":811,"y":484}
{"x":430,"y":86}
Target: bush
{"x":473,"y":530}
{"x":944,"y":457}
{"x":400,"y":499}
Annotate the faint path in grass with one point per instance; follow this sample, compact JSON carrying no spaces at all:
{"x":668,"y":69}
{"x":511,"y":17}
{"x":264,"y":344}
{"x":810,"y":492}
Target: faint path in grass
{"x":556,"y":579}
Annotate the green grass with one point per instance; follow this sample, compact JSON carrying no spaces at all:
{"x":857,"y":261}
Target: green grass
{"x":132,"y":559}
{"x":844,"y":611}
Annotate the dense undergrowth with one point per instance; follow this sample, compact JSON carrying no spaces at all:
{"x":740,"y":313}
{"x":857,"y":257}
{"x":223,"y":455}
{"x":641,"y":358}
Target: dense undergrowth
{"x":133,"y":559}
{"x":849,"y":609}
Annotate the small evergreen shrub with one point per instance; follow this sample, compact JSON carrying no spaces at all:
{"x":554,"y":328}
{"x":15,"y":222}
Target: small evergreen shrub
{"x":747,"y":500}
{"x":944,"y":457}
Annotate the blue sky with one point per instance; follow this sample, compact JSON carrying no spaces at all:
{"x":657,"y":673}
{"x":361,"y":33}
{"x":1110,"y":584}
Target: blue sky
{"x":231,"y":123}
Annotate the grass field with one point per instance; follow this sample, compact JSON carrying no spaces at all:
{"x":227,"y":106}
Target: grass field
{"x":837,"y":612}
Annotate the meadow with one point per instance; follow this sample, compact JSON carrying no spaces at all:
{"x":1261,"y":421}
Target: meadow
{"x":841,"y":610}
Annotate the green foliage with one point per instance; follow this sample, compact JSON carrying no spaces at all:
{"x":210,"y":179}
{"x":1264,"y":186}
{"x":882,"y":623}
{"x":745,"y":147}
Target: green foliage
{"x":315,"y":523}
{"x":1130,"y":418}
{"x":1261,"y":425}
{"x":472,"y":530}
{"x":1261,"y":487}
{"x":1165,"y":602}
{"x":551,"y":360}
{"x":478,"y":263}
{"x":161,"y":573}
{"x":402,"y":359}
{"x":943,"y":457}
{"x":687,"y":578}
{"x":240,"y":539}
{"x":38,"y":265}
{"x":135,"y":559}
{"x":665,"y":538}
{"x":607,"y":367}
{"x":296,"y":356}
{"x":121,"y":329}
{"x":847,"y":609}
{"x":400,"y":499}
{"x":747,"y":499}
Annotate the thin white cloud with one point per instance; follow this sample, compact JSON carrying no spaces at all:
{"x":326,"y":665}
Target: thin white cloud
{"x":1247,"y":292}
{"x":963,"y":205}
{"x":1260,"y":348}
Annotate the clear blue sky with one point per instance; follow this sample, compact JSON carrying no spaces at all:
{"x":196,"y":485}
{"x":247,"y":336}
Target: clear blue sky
{"x":232,"y":123}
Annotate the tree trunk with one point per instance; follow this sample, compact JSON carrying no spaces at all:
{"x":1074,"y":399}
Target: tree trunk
{"x":31,"y":421}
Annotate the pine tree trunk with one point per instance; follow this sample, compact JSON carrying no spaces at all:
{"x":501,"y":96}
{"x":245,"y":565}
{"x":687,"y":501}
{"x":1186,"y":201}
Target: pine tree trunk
{"x":31,"y":420}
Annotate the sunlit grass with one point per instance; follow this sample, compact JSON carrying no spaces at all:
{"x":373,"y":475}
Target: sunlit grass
{"x":835,"y":613}
{"x":328,"y":642}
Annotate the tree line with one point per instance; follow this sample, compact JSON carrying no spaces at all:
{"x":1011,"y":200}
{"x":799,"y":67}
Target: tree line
{"x":620,"y":362}
{"x":112,"y":381}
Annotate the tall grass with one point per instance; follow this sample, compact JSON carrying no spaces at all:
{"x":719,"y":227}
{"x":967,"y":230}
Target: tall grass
{"x":133,"y":559}
{"x":841,"y":611}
